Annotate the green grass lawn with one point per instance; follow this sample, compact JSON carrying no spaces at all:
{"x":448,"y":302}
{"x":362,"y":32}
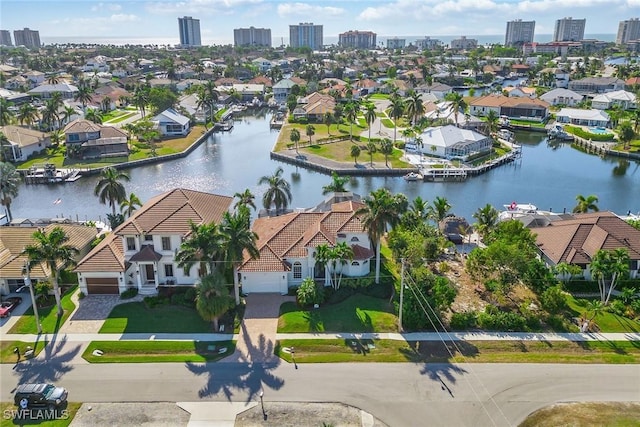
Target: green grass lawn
{"x":348,"y":350}
{"x":608,"y":322}
{"x":65,"y":418}
{"x":6,"y":349}
{"x":120,"y":118}
{"x":48,"y":317}
{"x":527,"y":123}
{"x":157,"y":351}
{"x":135,"y":317}
{"x":388,"y":123}
{"x":586,"y":414}
{"x":341,"y":151}
{"x":358,"y":313}
{"x":378,"y":96}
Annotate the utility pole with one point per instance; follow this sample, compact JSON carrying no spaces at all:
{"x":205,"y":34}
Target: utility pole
{"x":34,"y":304}
{"x":401,"y":294}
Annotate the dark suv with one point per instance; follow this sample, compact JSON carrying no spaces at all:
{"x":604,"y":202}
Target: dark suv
{"x":40,"y":395}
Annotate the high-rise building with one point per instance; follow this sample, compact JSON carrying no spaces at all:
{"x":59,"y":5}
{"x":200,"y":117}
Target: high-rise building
{"x":189,"y":31}
{"x":252,"y":36}
{"x":5,"y":38}
{"x":305,"y":34}
{"x":396,"y":43}
{"x":26,"y":37}
{"x":569,"y":30}
{"x":463,"y":43}
{"x":428,"y":43}
{"x":628,"y":30}
{"x":519,"y":32}
{"x":358,"y":39}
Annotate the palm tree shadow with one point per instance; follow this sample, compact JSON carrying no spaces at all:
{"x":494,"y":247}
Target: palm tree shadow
{"x":50,"y":365}
{"x":315,"y":321}
{"x":252,"y":373}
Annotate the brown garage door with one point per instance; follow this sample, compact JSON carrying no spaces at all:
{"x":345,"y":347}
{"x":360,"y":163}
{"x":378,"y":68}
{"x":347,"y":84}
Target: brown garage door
{"x":102,"y":285}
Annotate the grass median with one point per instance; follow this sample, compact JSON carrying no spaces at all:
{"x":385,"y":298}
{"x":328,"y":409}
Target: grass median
{"x":49,"y":319}
{"x":356,"y":350}
{"x":158,"y":351}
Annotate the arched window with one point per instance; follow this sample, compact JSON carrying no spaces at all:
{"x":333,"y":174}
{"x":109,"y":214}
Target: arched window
{"x":355,"y":263}
{"x":297,"y":270}
{"x":355,"y":239}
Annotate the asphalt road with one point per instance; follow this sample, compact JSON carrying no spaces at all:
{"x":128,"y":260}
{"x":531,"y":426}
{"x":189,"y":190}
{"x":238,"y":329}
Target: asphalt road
{"x":399,"y":394}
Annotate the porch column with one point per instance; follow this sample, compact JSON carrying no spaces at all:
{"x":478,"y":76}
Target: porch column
{"x":138,"y":277}
{"x":155,"y":274}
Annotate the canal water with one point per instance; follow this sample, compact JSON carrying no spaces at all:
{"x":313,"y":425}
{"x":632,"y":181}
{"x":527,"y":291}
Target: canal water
{"x":549,"y":176}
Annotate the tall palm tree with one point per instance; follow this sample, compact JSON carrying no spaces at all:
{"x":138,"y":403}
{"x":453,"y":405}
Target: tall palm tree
{"x":53,"y":250}
{"x":5,"y":114}
{"x":9,"y":180}
{"x":110,"y":189}
{"x":211,"y":95}
{"x":238,"y":239}
{"x":94,"y":115}
{"x":440,"y":209}
{"x":386,"y":148}
{"x":381,"y":210}
{"x":294,"y":136}
{"x":203,"y":245}
{"x":351,"y":114}
{"x":396,"y":111}
{"x":492,"y":122}
{"x":414,"y":107}
{"x":141,"y":99}
{"x":50,"y":115}
{"x":339,"y":256}
{"x":212,"y":298}
{"x":4,"y":141}
{"x":457,"y":105}
{"x":607,"y":267}
{"x":278,"y":193}
{"x":586,"y":204}
{"x":328,"y":120}
{"x":310,"y":131}
{"x":68,"y":113}
{"x":129,"y":205}
{"x":371,"y":149}
{"x":84,"y":95}
{"x":487,"y":218}
{"x":246,"y":198}
{"x":27,"y":114}
{"x":370,"y":116}
{"x":53,"y":79}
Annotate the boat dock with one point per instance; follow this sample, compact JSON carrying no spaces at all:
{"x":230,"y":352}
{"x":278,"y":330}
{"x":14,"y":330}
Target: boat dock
{"x":277,"y":120}
{"x":49,"y":174}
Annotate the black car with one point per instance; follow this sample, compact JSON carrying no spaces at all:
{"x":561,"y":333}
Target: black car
{"x":40,"y":395}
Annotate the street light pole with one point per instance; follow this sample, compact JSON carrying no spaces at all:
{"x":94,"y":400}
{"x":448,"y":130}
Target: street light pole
{"x":264,"y":414}
{"x":28,"y":283}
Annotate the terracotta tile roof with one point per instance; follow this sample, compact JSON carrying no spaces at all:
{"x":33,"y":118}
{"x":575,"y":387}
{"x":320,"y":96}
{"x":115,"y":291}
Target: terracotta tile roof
{"x":170,"y":213}
{"x":14,"y":239}
{"x":146,"y":254}
{"x":361,"y":253}
{"x":493,"y":100}
{"x":108,"y":256}
{"x":81,"y":126}
{"x":577,"y":240}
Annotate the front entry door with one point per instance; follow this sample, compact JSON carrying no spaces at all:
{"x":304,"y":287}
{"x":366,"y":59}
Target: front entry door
{"x":149,"y":273}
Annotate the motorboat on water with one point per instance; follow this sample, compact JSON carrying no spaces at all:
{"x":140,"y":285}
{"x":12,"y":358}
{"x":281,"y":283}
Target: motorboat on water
{"x":516,"y":210}
{"x":413,"y":176}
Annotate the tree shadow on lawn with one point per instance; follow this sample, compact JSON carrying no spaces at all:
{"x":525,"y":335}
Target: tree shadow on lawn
{"x":338,"y":319}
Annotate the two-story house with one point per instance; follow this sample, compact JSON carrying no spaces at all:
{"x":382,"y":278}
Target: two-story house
{"x":172,"y":123}
{"x":88,"y":140}
{"x":597,"y":85}
{"x":141,"y":252}
{"x":513,"y":108}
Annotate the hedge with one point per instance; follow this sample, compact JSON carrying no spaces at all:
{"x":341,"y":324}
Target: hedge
{"x":588,"y":135}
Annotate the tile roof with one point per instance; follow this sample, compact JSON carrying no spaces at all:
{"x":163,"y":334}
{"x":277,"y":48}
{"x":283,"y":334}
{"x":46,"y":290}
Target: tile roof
{"x":577,"y":240}
{"x":24,"y":137}
{"x":493,"y":100}
{"x":108,"y":256}
{"x":81,"y":126}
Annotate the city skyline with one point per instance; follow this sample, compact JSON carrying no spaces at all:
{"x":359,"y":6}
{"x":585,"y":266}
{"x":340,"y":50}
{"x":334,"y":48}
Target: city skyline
{"x":157,"y":19}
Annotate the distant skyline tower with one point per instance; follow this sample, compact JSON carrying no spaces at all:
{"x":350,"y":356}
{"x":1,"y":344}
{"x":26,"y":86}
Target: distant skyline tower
{"x":628,"y":30}
{"x":26,"y":37}
{"x":569,"y":30}
{"x":5,"y":38}
{"x":252,"y":36}
{"x":306,"y":34}
{"x":189,"y":31}
{"x":358,"y":39}
{"x":519,"y":32}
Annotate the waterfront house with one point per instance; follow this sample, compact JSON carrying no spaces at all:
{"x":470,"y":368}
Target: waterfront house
{"x":576,"y":240}
{"x":248,"y":91}
{"x":287,"y":246}
{"x":561,"y":96}
{"x":513,"y":108}
{"x":282,"y":89}
{"x":559,"y":77}
{"x":445,"y":111}
{"x":46,"y":91}
{"x":13,"y":240}
{"x":621,"y":98}
{"x":520,"y":91}
{"x":117,"y":96}
{"x":23,"y":142}
{"x":191,"y":104}
{"x":596,"y":85}
{"x":314,"y":107}
{"x":452,"y":142}
{"x":580,"y":117}
{"x":172,"y":123}
{"x":141,"y":252}
{"x":88,"y":140}
{"x":440,"y":90}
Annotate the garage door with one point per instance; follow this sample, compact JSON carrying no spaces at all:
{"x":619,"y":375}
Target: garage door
{"x":102,"y":285}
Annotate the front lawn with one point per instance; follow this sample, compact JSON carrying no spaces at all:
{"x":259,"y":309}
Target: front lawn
{"x":49,"y":319}
{"x":6,"y":349}
{"x":65,"y":418}
{"x":607,"y":322}
{"x":157,"y":351}
{"x":341,"y":151}
{"x":358,"y":313}
{"x":355,"y":350}
{"x":136,"y":317}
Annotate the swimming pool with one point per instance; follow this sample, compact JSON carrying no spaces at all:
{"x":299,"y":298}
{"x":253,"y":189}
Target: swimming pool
{"x":599,"y":130}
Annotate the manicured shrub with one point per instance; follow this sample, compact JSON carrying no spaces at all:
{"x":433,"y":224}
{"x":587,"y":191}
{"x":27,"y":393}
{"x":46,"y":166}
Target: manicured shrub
{"x":381,"y":290}
{"x":309,"y":292}
{"x":129,"y":293}
{"x":154,"y":301}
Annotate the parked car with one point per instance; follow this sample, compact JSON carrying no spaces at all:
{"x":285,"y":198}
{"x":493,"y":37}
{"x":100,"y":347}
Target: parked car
{"x":40,"y":396}
{"x":8,"y":305}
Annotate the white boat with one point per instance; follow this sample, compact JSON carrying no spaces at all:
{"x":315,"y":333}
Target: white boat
{"x":516,"y":210}
{"x":413,"y":176}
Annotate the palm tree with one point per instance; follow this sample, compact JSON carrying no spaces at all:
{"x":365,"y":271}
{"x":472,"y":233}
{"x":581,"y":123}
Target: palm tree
{"x":9,"y":180}
{"x":141,"y":99}
{"x":351,"y":114}
{"x":294,"y":136}
{"x":337,"y":184}
{"x":370,"y":116}
{"x":487,"y":218}
{"x":607,"y":267}
{"x":278,"y":193}
{"x":492,"y":122}
{"x":94,"y":115}
{"x":203,"y":245}
{"x":4,"y":141}
{"x":414,"y":107}
{"x":626,"y":134}
{"x":27,"y":114}
{"x":328,"y":120}
{"x":5,"y":113}
{"x":386,"y":148}
{"x":50,"y":114}
{"x":238,"y":239}
{"x":381,"y":210}
{"x":246,"y":198}
{"x":310,"y":131}
{"x":396,"y":111}
{"x":212,"y":96}
{"x":212,"y":298}
{"x":129,"y":205}
{"x":52,"y":250}
{"x":53,"y":79}
{"x":110,"y":189}
{"x":83,"y":96}
{"x":322,"y":256}
{"x":371,"y":149}
{"x":457,"y":105}
{"x":440,"y":209}
{"x":586,"y":204}
{"x":355,"y":152}
{"x":68,"y":113}
{"x":339,"y":256}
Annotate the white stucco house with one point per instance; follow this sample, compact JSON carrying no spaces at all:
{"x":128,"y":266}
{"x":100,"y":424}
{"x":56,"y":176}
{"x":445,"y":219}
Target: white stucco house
{"x":24,"y":142}
{"x":282,"y":89}
{"x":287,"y":246}
{"x":622,"y":98}
{"x":580,"y":117}
{"x":452,"y":142}
{"x":172,"y":123}
{"x":562,"y":96}
{"x":141,"y":252}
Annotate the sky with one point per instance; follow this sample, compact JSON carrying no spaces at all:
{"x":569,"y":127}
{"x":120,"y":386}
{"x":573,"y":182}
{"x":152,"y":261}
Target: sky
{"x":157,"y":20}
